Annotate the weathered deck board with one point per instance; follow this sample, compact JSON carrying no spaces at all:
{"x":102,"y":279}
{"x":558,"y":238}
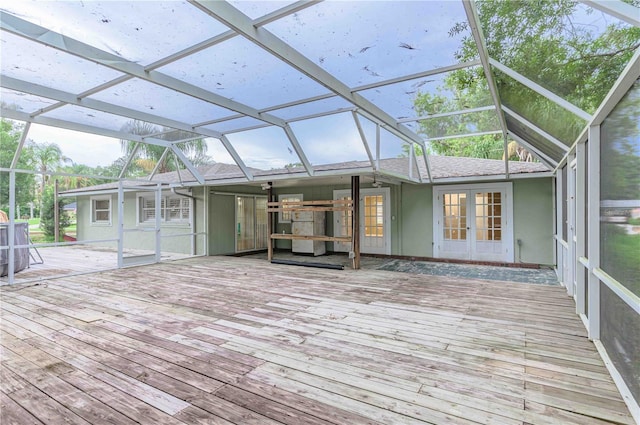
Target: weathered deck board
{"x":239,"y":341}
{"x":11,"y":413}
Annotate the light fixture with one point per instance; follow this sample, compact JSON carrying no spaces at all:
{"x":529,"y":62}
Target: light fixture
{"x":266,"y":186}
{"x":375,"y":183}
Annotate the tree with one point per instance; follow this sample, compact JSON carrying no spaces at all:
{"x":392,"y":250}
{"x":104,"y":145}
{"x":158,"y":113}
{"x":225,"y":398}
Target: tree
{"x":79,"y":177}
{"x":545,"y":42}
{"x":112,"y":170}
{"x":47,"y":158}
{"x":25,"y":183}
{"x":620,"y":149}
{"x":147,"y":156}
{"x":454,"y":97}
{"x":47,"y":214}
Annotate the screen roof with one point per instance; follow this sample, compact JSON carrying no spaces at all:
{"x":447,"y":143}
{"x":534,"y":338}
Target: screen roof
{"x":306,"y":84}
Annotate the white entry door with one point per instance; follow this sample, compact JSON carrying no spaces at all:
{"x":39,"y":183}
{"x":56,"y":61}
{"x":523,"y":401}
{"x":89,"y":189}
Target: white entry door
{"x":473,"y":222}
{"x":375,"y":223}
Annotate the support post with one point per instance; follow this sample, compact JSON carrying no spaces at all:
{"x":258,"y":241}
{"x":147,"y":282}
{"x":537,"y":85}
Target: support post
{"x":120,"y":224}
{"x":56,"y":213}
{"x":23,"y":138}
{"x":11,"y":231}
{"x":355,"y":222}
{"x":158,"y":223}
{"x":593,"y":221}
{"x":377,"y":167}
{"x":581,"y":214}
{"x":270,"y":227}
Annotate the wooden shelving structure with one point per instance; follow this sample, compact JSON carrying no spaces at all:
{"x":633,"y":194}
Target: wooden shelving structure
{"x":333,"y":205}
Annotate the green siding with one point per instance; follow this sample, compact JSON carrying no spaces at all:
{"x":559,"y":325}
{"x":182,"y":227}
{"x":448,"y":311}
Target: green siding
{"x":222,"y":212}
{"x":222,"y":216}
{"x":88,"y":231}
{"x":533,"y":220}
{"x":142,"y":239}
{"x":416,"y":220}
{"x":411,"y":220}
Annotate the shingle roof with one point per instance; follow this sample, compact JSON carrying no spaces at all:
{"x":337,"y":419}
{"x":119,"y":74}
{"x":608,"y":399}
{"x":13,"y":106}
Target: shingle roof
{"x":441,"y":167}
{"x":451,"y":166}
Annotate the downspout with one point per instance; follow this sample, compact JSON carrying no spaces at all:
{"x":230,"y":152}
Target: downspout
{"x":174,"y":191}
{"x":554,"y":203}
{"x":193,"y":222}
{"x":398,"y":218}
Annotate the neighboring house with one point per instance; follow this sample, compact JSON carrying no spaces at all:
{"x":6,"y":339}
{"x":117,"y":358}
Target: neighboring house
{"x":473,"y":211}
{"x":70,"y":209}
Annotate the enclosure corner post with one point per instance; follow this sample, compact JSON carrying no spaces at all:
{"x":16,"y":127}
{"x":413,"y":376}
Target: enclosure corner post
{"x":56,"y":213}
{"x":270,"y":223}
{"x":11,"y":231}
{"x":355,"y":222}
{"x":120,"y":225}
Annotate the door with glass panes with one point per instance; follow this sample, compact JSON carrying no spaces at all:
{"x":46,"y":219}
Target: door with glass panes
{"x":473,"y":222}
{"x":251,"y":223}
{"x":375,"y":235}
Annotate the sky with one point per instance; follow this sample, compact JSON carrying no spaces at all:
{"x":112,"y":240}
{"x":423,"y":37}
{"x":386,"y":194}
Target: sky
{"x":265,"y":148}
{"x":81,"y":148}
{"x":356,"y":54}
{"x":359,"y":45}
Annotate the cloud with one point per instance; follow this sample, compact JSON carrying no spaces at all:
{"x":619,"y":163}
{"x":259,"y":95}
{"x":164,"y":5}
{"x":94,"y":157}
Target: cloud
{"x":82,"y":148}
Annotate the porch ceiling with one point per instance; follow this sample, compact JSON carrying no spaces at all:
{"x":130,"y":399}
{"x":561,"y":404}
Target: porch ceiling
{"x":270,"y":84}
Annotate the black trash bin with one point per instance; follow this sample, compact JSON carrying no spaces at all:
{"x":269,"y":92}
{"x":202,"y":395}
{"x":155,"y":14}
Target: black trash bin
{"x":21,"y":260}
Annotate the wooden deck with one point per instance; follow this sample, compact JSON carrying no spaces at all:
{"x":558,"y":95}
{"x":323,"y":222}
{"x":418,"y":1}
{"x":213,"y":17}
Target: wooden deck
{"x":75,"y":259}
{"x":222,"y":340}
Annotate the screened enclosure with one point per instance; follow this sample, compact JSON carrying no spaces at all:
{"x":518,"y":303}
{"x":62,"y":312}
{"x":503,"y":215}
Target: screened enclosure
{"x":154,"y":104}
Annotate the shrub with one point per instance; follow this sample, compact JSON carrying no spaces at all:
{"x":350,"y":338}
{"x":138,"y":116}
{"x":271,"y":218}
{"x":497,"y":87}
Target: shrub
{"x":48,"y":216}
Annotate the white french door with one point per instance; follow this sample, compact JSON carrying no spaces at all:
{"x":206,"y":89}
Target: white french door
{"x":473,"y":222}
{"x":375,"y":223}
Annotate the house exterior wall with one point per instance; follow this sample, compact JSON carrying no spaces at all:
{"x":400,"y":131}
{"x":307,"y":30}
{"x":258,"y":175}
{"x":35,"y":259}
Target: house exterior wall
{"x":310,"y":193}
{"x":221,"y":224}
{"x":411,"y":215}
{"x":416,"y":220}
{"x":143,"y":240}
{"x":88,"y":231}
{"x":532,"y":216}
{"x":533,"y":220}
{"x":222,"y":217}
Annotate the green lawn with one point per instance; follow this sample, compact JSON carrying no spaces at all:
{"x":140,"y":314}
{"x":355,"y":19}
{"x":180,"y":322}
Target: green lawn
{"x":620,"y":253}
{"x":34,"y":224}
{"x":38,"y":236}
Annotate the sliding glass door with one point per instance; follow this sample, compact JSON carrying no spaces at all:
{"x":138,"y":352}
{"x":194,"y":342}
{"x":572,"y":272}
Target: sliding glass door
{"x":251,"y":223}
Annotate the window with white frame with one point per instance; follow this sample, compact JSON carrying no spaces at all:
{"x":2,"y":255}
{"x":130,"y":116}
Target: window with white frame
{"x":284,"y":216}
{"x":101,"y":210}
{"x":173,"y":209}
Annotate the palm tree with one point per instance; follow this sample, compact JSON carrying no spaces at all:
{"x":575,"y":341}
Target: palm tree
{"x":47,"y":157}
{"x":147,"y":156}
{"x":80,"y":178}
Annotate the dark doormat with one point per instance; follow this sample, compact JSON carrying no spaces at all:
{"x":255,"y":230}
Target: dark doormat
{"x":541,"y":276}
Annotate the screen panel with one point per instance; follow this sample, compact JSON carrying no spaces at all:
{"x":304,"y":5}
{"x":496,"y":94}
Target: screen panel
{"x":620,"y":192}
